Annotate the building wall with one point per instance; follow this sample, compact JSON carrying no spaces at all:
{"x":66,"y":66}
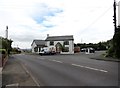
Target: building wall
{"x":119,"y":13}
{"x":53,"y":46}
{"x":33,"y":46}
{"x":71,"y":46}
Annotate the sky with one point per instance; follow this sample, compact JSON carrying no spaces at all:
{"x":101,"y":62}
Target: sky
{"x":89,"y":21}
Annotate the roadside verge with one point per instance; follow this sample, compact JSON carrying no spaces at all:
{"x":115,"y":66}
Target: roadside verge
{"x":105,"y":58}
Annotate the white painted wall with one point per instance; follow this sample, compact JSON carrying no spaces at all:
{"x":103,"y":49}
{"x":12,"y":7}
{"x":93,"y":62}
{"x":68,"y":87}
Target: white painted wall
{"x":33,"y":46}
{"x":71,"y":46}
{"x":71,"y":43}
{"x":55,"y":42}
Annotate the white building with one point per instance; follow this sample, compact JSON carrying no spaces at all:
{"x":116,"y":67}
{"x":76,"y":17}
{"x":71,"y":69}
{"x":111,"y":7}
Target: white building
{"x":60,"y":44}
{"x":36,"y":45}
{"x":119,"y":13}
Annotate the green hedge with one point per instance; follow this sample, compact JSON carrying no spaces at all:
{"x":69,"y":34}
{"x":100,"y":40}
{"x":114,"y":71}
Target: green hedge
{"x":3,"y":51}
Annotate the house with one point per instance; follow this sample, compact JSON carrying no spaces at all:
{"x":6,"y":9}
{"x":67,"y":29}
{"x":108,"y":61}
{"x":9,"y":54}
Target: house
{"x":60,"y":44}
{"x":37,"y":45}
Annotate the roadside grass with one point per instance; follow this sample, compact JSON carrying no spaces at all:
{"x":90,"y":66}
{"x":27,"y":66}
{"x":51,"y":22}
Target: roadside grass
{"x":105,"y":58}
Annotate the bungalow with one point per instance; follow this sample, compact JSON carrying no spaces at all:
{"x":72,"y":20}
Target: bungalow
{"x":37,"y":45}
{"x":60,"y":44}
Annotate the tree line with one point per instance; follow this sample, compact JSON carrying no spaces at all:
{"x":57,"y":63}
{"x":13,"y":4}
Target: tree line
{"x":96,"y":46}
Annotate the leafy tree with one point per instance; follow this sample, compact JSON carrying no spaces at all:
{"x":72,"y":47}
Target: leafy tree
{"x":102,"y":46}
{"x":6,"y":44}
{"x":116,"y":43}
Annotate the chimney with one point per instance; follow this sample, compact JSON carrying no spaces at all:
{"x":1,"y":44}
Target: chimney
{"x":47,"y":35}
{"x":6,"y":32}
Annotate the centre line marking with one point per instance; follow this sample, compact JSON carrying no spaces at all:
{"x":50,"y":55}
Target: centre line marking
{"x":89,"y":68}
{"x":41,"y":58}
{"x":57,"y":61}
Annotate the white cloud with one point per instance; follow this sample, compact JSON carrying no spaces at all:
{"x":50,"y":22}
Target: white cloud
{"x":89,"y":20}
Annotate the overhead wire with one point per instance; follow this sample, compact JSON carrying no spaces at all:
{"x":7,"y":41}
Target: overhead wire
{"x":95,"y":20}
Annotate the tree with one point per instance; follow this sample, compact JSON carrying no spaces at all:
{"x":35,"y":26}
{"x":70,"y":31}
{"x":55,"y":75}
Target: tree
{"x":116,"y":43}
{"x":114,"y":49}
{"x":102,"y":46}
{"x":6,"y":44}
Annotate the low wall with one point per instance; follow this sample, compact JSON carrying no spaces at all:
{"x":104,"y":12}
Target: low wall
{"x":3,"y":60}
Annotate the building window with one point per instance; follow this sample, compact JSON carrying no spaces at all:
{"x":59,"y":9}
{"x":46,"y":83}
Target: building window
{"x":39,"y":49}
{"x":66,"y":42}
{"x":35,"y":49}
{"x":51,"y":43}
{"x":65,"y":49}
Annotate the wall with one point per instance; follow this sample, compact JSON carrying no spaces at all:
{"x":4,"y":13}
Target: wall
{"x":33,"y":46}
{"x":71,"y":46}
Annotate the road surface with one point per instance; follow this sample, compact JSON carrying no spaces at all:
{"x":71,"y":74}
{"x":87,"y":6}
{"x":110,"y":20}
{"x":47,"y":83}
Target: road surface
{"x":70,"y":70}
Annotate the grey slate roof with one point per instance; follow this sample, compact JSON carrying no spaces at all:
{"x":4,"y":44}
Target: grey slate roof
{"x":59,"y":38}
{"x":39,"y":42}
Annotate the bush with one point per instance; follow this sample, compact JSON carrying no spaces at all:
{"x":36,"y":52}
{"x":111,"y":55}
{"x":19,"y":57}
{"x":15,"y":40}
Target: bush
{"x":3,"y":51}
{"x":110,"y":52}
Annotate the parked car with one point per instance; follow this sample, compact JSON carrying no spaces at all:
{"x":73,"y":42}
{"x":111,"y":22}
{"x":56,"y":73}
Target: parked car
{"x":83,"y":50}
{"x":90,"y":50}
{"x":46,"y":51}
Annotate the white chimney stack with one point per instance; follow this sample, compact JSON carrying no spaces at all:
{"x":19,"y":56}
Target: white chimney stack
{"x":47,"y":35}
{"x":6,"y":32}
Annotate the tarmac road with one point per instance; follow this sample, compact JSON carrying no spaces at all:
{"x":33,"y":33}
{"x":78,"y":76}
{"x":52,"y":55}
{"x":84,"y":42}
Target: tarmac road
{"x":70,"y":70}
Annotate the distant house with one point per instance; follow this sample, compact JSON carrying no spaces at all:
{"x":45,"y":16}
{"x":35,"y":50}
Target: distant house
{"x":60,"y":44}
{"x":36,"y":45}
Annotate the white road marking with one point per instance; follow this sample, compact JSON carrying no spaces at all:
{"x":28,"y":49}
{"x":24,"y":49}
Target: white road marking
{"x":42,"y":58}
{"x":30,"y":74}
{"x":16,"y":84}
{"x":89,"y":68}
{"x":57,"y":61}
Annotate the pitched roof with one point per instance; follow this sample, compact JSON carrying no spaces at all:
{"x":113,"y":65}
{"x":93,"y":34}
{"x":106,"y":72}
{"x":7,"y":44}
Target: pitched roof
{"x":59,"y":38}
{"x":39,"y":42}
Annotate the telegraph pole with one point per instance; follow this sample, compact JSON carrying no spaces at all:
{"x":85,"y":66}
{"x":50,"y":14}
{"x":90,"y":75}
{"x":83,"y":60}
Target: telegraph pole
{"x":114,"y":16}
{"x":116,"y":37}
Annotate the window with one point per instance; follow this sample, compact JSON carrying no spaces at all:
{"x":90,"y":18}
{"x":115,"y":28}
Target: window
{"x":66,"y":42}
{"x":39,"y":49}
{"x":51,"y":43}
{"x":65,"y":49}
{"x":35,"y":49}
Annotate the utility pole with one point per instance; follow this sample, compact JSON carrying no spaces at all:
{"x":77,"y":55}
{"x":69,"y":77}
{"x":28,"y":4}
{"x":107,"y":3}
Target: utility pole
{"x":114,"y":16}
{"x":6,"y":36}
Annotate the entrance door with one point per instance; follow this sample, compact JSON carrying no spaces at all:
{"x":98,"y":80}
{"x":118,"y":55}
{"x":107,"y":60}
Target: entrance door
{"x":58,"y":47}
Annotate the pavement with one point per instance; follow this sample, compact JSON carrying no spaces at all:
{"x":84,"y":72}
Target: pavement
{"x":15,"y":74}
{"x":0,"y":62}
